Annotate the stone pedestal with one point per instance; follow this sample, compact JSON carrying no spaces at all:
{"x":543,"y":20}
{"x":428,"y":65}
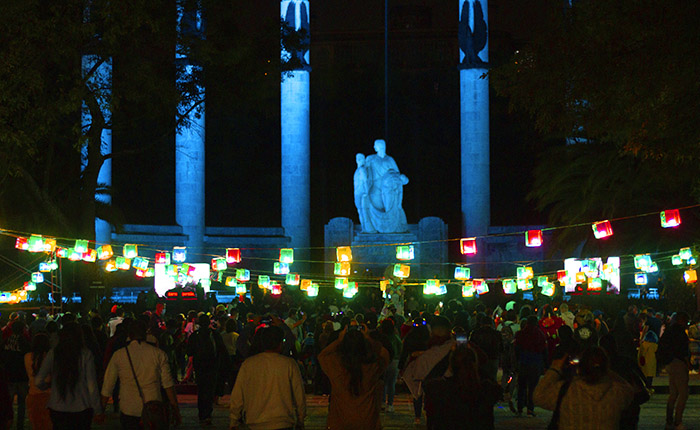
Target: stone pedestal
{"x":374,"y":254}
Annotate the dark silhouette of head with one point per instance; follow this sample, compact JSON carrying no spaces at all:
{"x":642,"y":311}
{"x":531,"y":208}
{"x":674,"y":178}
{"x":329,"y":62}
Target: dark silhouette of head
{"x":355,"y":351}
{"x":593,"y":365}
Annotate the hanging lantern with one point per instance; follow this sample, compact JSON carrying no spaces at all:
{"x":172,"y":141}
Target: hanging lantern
{"x":431,"y":286}
{"x":402,"y":270}
{"x":111,"y":266}
{"x":312,"y":290}
{"x":171,"y":270}
{"x":123,"y":263}
{"x":405,"y":252}
{"x":292,"y":279}
{"x":561,"y":275}
{"x":343,"y":253}
{"x":305,"y":284}
{"x":263,"y":281}
{"x":140,"y":273}
{"x":548,"y":289}
{"x":130,"y":251}
{"x":81,"y":246}
{"x":74,"y":255}
{"x":602,"y":229}
{"x":676,"y":260}
{"x":384,"y":284}
{"x":580,"y":277}
{"x":462,"y":273}
{"x":468,"y":245}
{"x":233,"y":255}
{"x":281,"y":268}
{"x":35,"y":243}
{"x":341,"y":268}
{"x":187,"y":269}
{"x":690,"y":276}
{"x":53,"y":264}
{"x":350,"y":291}
{"x":510,"y":286}
{"x":29,"y":286}
{"x":341,"y":283}
{"x":287,"y":255}
{"x":105,"y":252}
{"x":162,"y":258}
{"x":525,"y":284}
{"x":525,"y":272}
{"x":44,"y":267}
{"x":140,"y":263}
{"x":230,"y":281}
{"x":150,"y":272}
{"x":37,"y":277}
{"x":179,"y":254}
{"x":533,"y":238}
{"x":275,"y":289}
{"x":640,"y":279}
{"x":242,"y":275}
{"x":480,"y":286}
{"x":692,"y":261}
{"x":653,"y":268}
{"x":685,"y":253}
{"x":468,"y":289}
{"x":595,"y":284}
{"x":49,"y":244}
{"x":642,"y":261}
{"x":670,"y":218}
{"x":219,"y":264}
{"x":541,"y":280}
{"x":90,"y":256}
{"x":21,"y":243}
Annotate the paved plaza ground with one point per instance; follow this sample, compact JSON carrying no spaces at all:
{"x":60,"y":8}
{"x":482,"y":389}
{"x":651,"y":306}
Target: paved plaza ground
{"x":652,"y":416}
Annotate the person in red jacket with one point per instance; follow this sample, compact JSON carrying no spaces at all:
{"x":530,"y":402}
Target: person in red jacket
{"x":531,"y":354}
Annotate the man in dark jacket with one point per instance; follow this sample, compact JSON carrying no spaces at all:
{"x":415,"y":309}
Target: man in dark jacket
{"x":678,"y":370}
{"x":206,"y":347}
{"x":531,"y":353}
{"x":491,"y":342}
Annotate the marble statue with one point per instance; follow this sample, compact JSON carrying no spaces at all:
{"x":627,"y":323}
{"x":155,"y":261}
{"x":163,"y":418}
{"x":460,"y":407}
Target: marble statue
{"x":379,"y":198}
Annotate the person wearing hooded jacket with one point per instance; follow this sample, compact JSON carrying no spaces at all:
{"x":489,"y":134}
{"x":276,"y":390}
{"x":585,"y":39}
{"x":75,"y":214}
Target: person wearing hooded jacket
{"x":595,"y":397}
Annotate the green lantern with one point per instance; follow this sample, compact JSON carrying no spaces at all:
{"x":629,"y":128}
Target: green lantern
{"x":686,"y":253}
{"x":341,"y":283}
{"x":242,"y":275}
{"x":293,"y":279}
{"x":312,"y":290}
{"x":281,"y":268}
{"x":676,"y":260}
{"x":263,"y":281}
{"x":287,"y":255}
{"x":510,"y":286}
{"x":462,"y":273}
{"x":241,"y":289}
{"x":130,"y":250}
{"x":405,"y":252}
{"x":402,"y":270}
{"x":35,"y":243}
{"x":81,"y":246}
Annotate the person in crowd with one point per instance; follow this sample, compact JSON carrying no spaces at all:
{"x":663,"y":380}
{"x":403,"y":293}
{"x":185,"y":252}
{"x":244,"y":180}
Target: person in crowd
{"x":623,"y":337}
{"x":676,"y":340}
{"x":653,"y":322}
{"x":6,"y":412}
{"x":628,"y":370}
{"x":115,"y":321}
{"x":70,"y":367}
{"x":601,"y":327}
{"x":531,"y":353}
{"x":14,"y":347}
{"x":461,"y":399}
{"x":37,"y":399}
{"x":566,"y":315}
{"x":206,"y":348}
{"x":647,"y":356}
{"x":355,"y":364}
{"x":322,"y":385}
{"x":269,"y":391}
{"x":593,"y":399}
{"x":549,"y":324}
{"x":386,"y":327}
{"x":585,"y":332}
{"x":52,"y":331}
{"x":230,"y":337}
{"x":39,"y":324}
{"x":508,"y":328}
{"x":491,"y":342}
{"x":142,"y":370}
{"x":431,"y":363}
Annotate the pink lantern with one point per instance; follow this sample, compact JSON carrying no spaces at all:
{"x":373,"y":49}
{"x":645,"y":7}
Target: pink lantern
{"x":468,"y":245}
{"x":670,"y":218}
{"x":533,"y":238}
{"x":602,"y":229}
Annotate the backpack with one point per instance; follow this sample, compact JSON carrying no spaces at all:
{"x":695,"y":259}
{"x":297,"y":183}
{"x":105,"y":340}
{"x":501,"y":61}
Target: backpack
{"x":664,"y":353}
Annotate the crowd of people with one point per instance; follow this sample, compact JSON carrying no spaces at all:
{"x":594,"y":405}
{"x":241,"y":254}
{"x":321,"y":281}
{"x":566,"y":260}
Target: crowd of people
{"x":455,"y":362}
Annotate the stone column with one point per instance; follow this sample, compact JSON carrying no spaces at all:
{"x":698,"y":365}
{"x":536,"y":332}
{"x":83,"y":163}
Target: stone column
{"x":474,"y":116}
{"x":190,"y":144}
{"x":295,"y":125}
{"x":101,"y":83}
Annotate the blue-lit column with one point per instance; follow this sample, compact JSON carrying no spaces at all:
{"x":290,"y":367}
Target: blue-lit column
{"x":295,"y":134}
{"x":100,"y":82}
{"x":474,"y":116}
{"x":189,"y":144}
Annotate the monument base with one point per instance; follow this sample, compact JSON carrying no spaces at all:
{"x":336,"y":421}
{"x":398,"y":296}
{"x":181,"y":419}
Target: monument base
{"x":374,"y":254}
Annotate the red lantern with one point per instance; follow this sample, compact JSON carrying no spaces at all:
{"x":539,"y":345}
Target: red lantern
{"x":602,"y":229}
{"x":468,"y":245}
{"x":670,"y":218}
{"x":533,"y":238}
{"x":233,"y":255}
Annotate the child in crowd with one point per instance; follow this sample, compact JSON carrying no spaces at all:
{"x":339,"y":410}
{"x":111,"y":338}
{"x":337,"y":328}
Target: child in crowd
{"x":647,"y":356}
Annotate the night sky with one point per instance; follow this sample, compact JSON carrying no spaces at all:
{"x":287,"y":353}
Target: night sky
{"x":347,"y":114}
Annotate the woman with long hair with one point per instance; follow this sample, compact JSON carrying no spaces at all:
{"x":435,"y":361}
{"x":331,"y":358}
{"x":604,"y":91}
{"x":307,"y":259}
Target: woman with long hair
{"x":37,"y":398}
{"x":70,"y":367}
{"x":462,"y":400}
{"x":355,"y":365}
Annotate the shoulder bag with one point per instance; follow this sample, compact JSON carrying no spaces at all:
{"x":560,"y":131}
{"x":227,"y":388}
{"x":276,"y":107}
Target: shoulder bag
{"x":554,"y":424}
{"x":155,"y":414}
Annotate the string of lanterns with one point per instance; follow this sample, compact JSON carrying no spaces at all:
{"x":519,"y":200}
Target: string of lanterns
{"x":591,"y":272}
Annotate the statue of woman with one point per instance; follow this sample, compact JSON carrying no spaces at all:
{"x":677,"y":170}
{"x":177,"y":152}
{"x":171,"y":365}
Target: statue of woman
{"x":384,"y":211}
